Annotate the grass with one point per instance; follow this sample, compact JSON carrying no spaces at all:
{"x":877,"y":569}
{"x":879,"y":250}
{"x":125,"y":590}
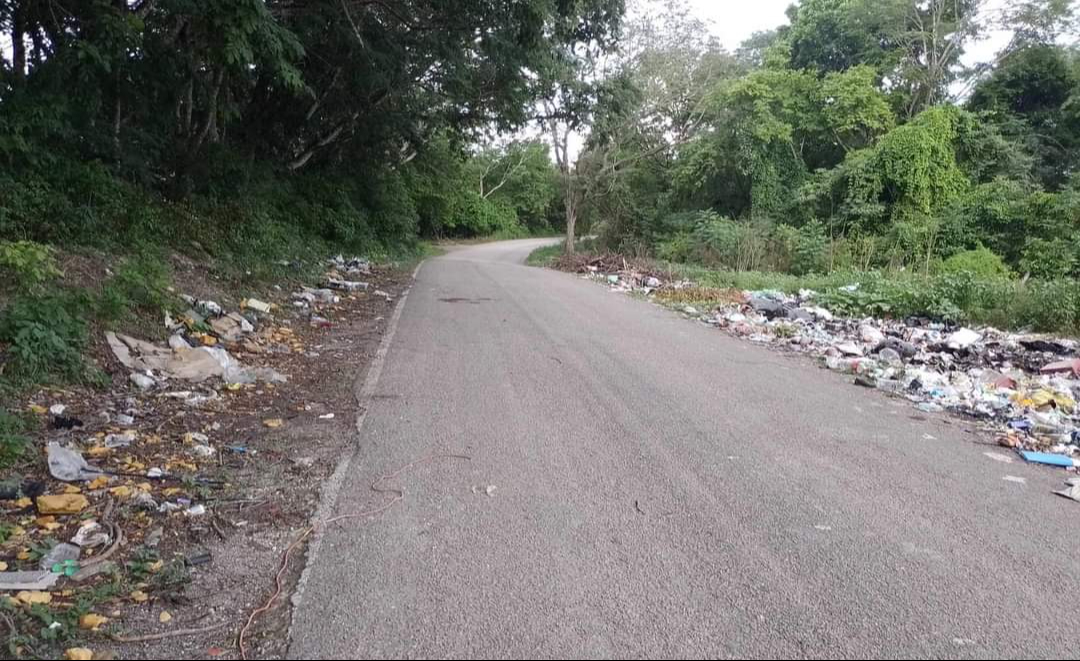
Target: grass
{"x":959,"y":298}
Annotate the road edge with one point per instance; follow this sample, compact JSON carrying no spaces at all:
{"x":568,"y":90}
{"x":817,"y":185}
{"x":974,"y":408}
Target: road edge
{"x":363,"y":390}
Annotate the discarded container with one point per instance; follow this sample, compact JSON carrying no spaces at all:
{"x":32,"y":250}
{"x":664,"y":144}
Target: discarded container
{"x":58,"y":556}
{"x":257,"y":305}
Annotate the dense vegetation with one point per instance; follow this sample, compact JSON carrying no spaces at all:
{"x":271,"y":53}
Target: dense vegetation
{"x":263,"y":128}
{"x":852,"y":139}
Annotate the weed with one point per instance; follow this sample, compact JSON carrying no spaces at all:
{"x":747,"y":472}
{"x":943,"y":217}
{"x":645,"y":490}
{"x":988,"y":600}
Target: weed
{"x":14,"y":444}
{"x":45,"y":336}
{"x":30,"y":264}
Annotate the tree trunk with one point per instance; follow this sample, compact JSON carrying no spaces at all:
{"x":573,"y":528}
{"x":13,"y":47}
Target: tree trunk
{"x":18,"y":41}
{"x":571,"y":215}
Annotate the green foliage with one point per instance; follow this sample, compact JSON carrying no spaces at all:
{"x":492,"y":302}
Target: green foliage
{"x":980,"y":262}
{"x":29,"y":264}
{"x":44,"y":337}
{"x":140,"y":284}
{"x":14,"y":441}
{"x":1049,"y":258}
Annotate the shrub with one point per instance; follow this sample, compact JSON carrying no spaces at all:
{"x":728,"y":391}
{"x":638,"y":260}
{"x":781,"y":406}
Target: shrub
{"x":14,"y":443}
{"x":1048,"y":258}
{"x":29,"y":264}
{"x":981,"y":262}
{"x":45,"y":336}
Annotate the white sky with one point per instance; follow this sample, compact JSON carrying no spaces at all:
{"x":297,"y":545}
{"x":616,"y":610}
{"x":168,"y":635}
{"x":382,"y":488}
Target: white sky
{"x":733,"y":21}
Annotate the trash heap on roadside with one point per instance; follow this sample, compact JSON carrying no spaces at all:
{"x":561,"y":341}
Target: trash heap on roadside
{"x":1023,"y":387}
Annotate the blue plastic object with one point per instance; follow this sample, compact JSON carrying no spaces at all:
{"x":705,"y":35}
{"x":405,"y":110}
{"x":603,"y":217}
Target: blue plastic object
{"x":1048,"y":459}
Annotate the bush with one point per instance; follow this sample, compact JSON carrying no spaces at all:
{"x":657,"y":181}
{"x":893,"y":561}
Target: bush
{"x":1048,"y":258}
{"x":45,"y":337}
{"x":981,"y":262}
{"x":14,"y":443}
{"x":29,"y":264}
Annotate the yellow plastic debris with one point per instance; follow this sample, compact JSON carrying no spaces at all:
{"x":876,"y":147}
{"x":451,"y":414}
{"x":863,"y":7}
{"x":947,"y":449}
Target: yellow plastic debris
{"x":23,"y":503}
{"x":62,"y":504}
{"x":99,"y":483}
{"x":71,"y":488}
{"x":78,"y":654}
{"x":92,"y":621}
{"x":3,"y":566}
{"x":30,"y":597}
{"x":40,"y":410}
{"x":121,"y":491}
{"x":273,"y":423}
{"x":165,"y":617}
{"x":139,"y":597}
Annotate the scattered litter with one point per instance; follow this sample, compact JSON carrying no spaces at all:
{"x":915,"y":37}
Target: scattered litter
{"x":198,"y":557}
{"x":187,"y":364}
{"x":204,"y":450}
{"x":195,"y":510}
{"x":114,"y":441}
{"x":963,"y":339}
{"x":57,"y":409}
{"x":1014,"y":478}
{"x":273,"y":423}
{"x":231,"y":327}
{"x":142,"y":381}
{"x":1047,"y":458}
{"x":328,"y":416}
{"x":90,"y":535}
{"x":58,"y":556}
{"x":144,"y":501}
{"x":68,"y":465}
{"x":13,"y":581}
{"x":1071,"y":490}
{"x":68,"y":503}
{"x":347,"y":285}
{"x":257,"y":305}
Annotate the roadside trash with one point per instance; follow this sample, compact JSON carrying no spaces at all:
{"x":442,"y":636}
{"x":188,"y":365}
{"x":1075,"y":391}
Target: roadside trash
{"x":90,"y":535}
{"x":1047,"y":346}
{"x":195,"y":510}
{"x":1048,"y":459}
{"x":68,"y":503}
{"x":257,"y":305}
{"x":930,"y":407}
{"x":865,"y":382}
{"x":613,"y":279}
{"x":68,"y":465}
{"x":386,"y":295}
{"x":1071,"y":490}
{"x":57,"y":409}
{"x":64,"y":422}
{"x":231,"y":327}
{"x":144,"y":501}
{"x":849,"y":349}
{"x":652,"y":283}
{"x":273,"y":423}
{"x":58,"y":556}
{"x":962,"y":339}
{"x":207,"y":308}
{"x":328,"y":416}
{"x":124,"y":420}
{"x":142,"y":381}
{"x":354,"y":265}
{"x":347,"y":285}
{"x":304,"y":462}
{"x":15,"y":581}
{"x":690,"y":310}
{"x":198,"y":557}
{"x":203,"y":450}
{"x":1063,"y":367}
{"x":188,"y":364}
{"x":78,"y":654}
{"x":114,"y":441}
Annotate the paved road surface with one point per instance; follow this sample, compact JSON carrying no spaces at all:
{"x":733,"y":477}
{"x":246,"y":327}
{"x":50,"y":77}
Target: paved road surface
{"x":662,"y":490}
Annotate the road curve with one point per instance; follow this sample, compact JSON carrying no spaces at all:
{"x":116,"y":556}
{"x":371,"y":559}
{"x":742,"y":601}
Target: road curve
{"x":640,"y":485}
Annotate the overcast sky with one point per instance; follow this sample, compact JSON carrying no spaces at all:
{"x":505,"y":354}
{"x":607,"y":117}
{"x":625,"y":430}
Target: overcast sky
{"x":734,"y":20}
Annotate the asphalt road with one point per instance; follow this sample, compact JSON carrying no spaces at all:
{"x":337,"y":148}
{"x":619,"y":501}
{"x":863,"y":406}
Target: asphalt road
{"x":664,"y":490}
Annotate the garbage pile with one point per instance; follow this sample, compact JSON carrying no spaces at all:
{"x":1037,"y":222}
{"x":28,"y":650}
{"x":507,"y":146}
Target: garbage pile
{"x":1023,"y":387}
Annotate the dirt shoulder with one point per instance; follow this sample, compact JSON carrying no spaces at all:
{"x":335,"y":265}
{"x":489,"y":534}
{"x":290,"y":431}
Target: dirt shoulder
{"x":200,"y":548}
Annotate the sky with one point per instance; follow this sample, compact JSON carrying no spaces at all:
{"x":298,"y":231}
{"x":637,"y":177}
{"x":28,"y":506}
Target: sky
{"x":732,"y":21}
